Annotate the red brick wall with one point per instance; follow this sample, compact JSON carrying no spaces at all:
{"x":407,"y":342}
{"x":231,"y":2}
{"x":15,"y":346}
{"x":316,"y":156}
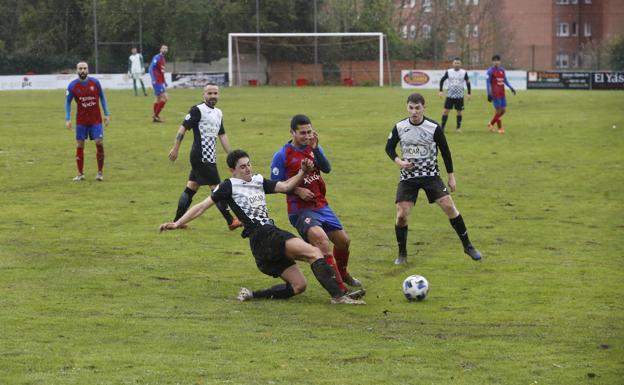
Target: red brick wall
{"x":360,"y":72}
{"x":287,"y":73}
{"x":368,"y":71}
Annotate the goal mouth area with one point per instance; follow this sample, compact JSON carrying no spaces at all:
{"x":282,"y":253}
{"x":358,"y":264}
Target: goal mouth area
{"x":305,"y":58}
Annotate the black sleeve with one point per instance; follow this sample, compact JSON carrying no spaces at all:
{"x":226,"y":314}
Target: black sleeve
{"x":467,"y":79}
{"x":222,"y":129}
{"x":393,"y":139}
{"x":440,"y":140}
{"x":192,"y":118}
{"x":321,"y":161}
{"x":269,"y":185}
{"x":223,"y":191}
{"x":443,"y":79}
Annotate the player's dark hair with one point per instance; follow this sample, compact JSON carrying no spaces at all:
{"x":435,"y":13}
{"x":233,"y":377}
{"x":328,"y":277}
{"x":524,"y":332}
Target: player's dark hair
{"x":234,"y":156}
{"x":456,"y":58}
{"x":298,"y":120}
{"x":416,"y":98}
{"x":496,"y":57}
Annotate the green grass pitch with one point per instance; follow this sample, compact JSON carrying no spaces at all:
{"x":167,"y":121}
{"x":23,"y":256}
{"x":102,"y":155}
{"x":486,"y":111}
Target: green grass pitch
{"x":91,"y":293}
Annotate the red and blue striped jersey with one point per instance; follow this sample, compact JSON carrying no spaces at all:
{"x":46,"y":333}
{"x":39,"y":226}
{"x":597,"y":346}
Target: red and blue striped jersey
{"x":496,"y":80}
{"x":287,"y":162}
{"x":157,"y":69}
{"x":88,"y":95}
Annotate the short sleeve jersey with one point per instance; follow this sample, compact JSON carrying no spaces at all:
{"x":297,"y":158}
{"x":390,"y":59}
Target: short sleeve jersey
{"x":87,"y":95}
{"x":496,"y":77}
{"x":157,"y":69}
{"x":247,"y":199}
{"x":417,"y":146}
{"x":456,"y":79}
{"x":136,"y":63}
{"x":207,"y":124}
{"x":286,"y":163}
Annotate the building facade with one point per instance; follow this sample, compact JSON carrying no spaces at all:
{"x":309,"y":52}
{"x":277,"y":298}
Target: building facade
{"x":529,"y":34}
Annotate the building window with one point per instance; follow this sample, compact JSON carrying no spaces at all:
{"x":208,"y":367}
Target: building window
{"x":563,"y":1}
{"x":574,"y":60}
{"x":563,"y":30}
{"x":475,"y":31}
{"x":451,"y":37}
{"x":450,"y":3}
{"x":404,"y":31}
{"x":412,"y":3}
{"x":573,"y":1}
{"x":587,"y":1}
{"x":475,"y":2}
{"x":587,"y":31}
{"x":573,"y":29}
{"x":426,"y":31}
{"x":426,"y":6}
{"x":412,"y":32}
{"x":562,"y":60}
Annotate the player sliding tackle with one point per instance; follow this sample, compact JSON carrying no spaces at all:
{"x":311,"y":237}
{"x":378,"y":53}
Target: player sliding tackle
{"x":274,"y":249}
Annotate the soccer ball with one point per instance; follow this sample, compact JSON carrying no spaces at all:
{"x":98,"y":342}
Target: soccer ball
{"x":415,"y":288}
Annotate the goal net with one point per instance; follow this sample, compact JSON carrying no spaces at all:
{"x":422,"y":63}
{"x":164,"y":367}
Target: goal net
{"x":300,"y":59}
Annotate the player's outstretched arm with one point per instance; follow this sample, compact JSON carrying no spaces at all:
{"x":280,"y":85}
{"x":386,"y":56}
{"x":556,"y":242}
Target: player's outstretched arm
{"x":451,"y":182}
{"x":225,"y":142}
{"x":173,"y":153}
{"x":191,"y":214}
{"x":284,"y":187}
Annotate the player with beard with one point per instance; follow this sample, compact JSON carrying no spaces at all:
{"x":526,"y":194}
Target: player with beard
{"x":157,"y":74}
{"x":88,"y":94}
{"x":456,"y":77}
{"x":274,"y":249}
{"x":206,"y":121}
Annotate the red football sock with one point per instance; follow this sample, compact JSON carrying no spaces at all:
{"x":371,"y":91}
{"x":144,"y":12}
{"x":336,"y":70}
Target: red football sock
{"x":156,"y":108}
{"x":499,"y":123}
{"x":342,"y":260}
{"x":159,"y":107}
{"x":100,"y":156}
{"x":332,"y":262}
{"x":80,"y":159}
{"x":494,"y":119}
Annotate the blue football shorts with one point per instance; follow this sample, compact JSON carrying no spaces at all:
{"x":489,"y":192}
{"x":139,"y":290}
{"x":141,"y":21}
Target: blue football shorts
{"x":323,"y":217}
{"x":91,"y":131}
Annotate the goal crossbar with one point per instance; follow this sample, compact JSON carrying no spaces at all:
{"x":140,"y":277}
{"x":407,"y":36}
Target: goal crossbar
{"x":379,"y":35}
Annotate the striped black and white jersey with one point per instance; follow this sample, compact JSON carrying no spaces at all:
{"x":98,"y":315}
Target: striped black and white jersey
{"x":247,"y":199}
{"x":207,"y":124}
{"x":456,"y":79}
{"x":419,"y":145}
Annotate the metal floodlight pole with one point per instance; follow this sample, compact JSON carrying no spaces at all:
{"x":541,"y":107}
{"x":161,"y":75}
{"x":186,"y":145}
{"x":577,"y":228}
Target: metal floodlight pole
{"x":95,"y":37}
{"x":141,"y":29}
{"x":315,"y":45}
{"x":258,"y":40}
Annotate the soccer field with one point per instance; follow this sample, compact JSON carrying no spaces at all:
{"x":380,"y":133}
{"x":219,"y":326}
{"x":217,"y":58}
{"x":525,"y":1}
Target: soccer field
{"x":91,"y":293}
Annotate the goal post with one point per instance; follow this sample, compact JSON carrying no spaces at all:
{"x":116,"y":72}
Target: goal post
{"x":232,"y":46}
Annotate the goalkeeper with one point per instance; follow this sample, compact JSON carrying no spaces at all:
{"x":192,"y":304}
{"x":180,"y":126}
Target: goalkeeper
{"x":136,"y":69}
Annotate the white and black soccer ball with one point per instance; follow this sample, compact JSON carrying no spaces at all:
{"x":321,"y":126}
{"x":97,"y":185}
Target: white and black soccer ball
{"x":415,"y":288}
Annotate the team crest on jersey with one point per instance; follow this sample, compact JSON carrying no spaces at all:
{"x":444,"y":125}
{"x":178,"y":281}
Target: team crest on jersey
{"x":92,"y":88}
{"x":275,"y":171}
{"x":307,"y":221}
